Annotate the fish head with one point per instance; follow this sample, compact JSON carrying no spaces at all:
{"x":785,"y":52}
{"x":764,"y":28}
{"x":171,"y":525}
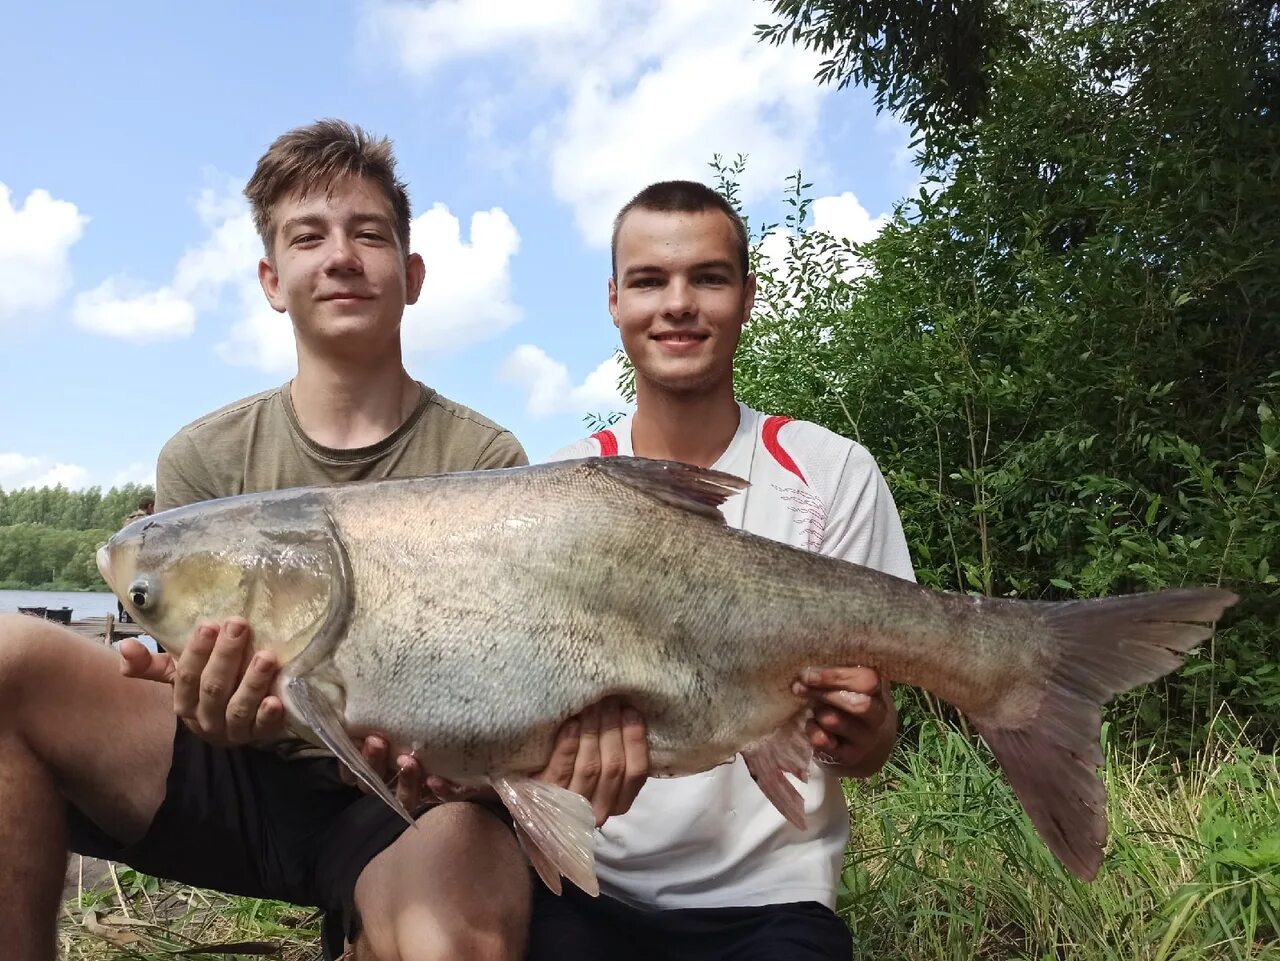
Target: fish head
{"x":274,"y":560}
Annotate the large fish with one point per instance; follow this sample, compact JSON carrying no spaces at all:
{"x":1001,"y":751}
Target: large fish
{"x":466,"y":616}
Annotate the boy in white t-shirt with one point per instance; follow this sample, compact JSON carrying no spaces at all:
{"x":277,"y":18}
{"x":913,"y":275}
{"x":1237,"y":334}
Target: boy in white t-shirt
{"x":704,"y":866}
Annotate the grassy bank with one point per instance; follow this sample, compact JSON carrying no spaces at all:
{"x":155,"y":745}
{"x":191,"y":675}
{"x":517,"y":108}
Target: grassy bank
{"x":944,"y":867}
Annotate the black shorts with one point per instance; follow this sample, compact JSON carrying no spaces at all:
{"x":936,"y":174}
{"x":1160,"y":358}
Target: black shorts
{"x":577,"y":927}
{"x":246,"y":821}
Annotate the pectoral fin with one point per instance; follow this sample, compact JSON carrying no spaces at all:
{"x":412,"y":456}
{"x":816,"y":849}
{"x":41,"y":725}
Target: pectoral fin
{"x":786,"y":751}
{"x":555,"y":827}
{"x":316,"y":711}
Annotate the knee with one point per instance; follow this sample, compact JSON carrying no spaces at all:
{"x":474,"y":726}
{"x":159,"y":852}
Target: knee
{"x":29,"y":654}
{"x":431,"y":939}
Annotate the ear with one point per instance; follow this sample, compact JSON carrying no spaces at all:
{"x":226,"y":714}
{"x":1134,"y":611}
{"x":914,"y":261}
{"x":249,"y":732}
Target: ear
{"x":415,"y":273}
{"x":269,"y":279}
{"x":748,"y":297}
{"x":613,"y":300}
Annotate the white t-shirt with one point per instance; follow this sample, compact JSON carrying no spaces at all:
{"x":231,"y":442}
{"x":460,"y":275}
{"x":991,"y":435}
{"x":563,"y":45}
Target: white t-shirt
{"x":713,"y":839}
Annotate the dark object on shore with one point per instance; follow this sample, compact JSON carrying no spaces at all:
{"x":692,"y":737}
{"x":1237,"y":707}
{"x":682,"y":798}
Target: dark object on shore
{"x":33,"y":611}
{"x":59,"y":615}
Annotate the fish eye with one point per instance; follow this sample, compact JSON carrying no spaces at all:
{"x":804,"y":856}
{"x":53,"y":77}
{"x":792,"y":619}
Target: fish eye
{"x":140,"y":593}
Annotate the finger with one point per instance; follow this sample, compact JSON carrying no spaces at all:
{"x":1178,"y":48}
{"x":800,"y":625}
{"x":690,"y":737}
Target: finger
{"x":559,"y":769}
{"x":823,"y":743}
{"x":137,"y":661}
{"x":863,"y":680}
{"x":613,"y":762}
{"x":850,"y":702}
{"x":270,"y":720}
{"x":220,"y":677}
{"x":409,"y":778}
{"x":586,"y":766}
{"x":244,"y":704}
{"x":191,"y":664}
{"x":635,"y":742}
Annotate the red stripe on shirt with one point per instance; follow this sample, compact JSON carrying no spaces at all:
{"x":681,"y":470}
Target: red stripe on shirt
{"x":774,"y":446}
{"x":608,"y":443}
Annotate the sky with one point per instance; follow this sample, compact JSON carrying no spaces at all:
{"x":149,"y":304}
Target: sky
{"x":129,"y":303}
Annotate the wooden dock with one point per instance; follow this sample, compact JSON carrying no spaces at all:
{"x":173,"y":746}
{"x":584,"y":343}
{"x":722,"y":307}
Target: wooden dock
{"x":105,"y":629}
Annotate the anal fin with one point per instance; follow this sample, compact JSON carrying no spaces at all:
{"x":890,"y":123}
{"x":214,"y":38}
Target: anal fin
{"x":555,"y":827}
{"x":786,"y":751}
{"x":314,"y":710}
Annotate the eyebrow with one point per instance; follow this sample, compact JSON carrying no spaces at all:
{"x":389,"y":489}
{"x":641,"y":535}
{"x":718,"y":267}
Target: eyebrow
{"x":315,"y":220}
{"x":725,"y":265}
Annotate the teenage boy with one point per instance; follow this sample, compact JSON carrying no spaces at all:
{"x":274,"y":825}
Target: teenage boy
{"x":704,"y":867}
{"x":96,"y":762}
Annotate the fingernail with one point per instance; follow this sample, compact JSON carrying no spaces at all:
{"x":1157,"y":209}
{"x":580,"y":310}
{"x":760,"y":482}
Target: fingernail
{"x":854,"y":699}
{"x":235,"y":631}
{"x":630,"y":716}
{"x":798,"y":689}
{"x":810,"y":675}
{"x":572,"y":728}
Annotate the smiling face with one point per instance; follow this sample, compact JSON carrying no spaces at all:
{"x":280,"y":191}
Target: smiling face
{"x":679,"y":299}
{"x":338,"y":270}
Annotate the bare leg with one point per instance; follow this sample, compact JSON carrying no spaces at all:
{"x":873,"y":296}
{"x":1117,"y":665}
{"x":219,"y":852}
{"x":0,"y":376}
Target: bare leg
{"x":71,"y":729}
{"x":458,"y":887}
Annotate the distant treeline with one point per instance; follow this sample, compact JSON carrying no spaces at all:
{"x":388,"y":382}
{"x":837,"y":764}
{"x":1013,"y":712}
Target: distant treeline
{"x":49,"y":535}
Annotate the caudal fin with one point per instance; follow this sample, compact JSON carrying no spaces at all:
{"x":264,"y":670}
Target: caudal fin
{"x":1105,"y":646}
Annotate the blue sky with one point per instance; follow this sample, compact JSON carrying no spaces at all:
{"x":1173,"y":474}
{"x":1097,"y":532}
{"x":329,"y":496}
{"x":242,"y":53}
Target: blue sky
{"x":128,"y":300}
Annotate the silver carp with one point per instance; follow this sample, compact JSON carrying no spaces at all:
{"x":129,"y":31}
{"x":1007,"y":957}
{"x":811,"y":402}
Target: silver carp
{"x":466,"y":616}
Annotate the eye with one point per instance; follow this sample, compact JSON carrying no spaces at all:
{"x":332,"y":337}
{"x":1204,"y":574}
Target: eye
{"x":140,"y":593}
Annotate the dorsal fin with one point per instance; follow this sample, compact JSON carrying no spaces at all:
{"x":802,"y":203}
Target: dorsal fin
{"x":695,"y":489}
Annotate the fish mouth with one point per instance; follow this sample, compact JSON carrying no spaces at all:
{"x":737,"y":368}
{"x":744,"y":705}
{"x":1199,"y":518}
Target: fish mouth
{"x":104,"y":565}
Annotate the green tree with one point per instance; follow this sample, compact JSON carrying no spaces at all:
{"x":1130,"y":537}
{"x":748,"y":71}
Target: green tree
{"x":1065,"y":351}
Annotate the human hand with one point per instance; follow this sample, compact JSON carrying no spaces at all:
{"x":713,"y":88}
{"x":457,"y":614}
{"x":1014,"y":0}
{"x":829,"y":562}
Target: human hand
{"x":602,"y":754}
{"x":221,"y":687}
{"x":854,"y":722}
{"x":413,"y":787}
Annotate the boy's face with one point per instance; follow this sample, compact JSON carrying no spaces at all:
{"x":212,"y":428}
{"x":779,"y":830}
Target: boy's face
{"x":679,"y":299}
{"x":337,"y":268}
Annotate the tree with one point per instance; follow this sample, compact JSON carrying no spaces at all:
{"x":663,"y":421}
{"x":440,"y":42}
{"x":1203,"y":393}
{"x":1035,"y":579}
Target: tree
{"x":1065,"y":352}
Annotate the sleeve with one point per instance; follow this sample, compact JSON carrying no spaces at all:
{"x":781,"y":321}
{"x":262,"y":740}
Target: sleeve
{"x":863,"y":525}
{"x":503,"y":451}
{"x":181,"y":475}
{"x":587,"y":447}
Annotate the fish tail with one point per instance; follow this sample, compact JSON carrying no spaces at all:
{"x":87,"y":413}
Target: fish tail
{"x":1105,"y":646}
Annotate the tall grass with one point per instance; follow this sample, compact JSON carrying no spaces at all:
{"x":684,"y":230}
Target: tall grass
{"x":943,"y":866}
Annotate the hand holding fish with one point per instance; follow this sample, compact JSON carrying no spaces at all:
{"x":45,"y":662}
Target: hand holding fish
{"x":221,"y":688}
{"x":854,"y":724}
{"x":601,"y":753}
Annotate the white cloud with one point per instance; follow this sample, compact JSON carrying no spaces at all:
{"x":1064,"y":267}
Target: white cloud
{"x":467,"y":294}
{"x":550,"y":390}
{"x":118,"y":309}
{"x":651,"y":88}
{"x":34,"y":241}
{"x":841,"y":216}
{"x":261,"y":337}
{"x":22,"y":470}
{"x":135,"y":473}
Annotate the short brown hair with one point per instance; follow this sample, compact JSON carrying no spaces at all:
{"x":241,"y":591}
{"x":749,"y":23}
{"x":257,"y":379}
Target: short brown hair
{"x":312,"y":158}
{"x":685,"y":197}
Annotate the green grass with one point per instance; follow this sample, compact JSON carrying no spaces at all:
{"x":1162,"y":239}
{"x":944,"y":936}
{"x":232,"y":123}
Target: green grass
{"x":943,"y":866}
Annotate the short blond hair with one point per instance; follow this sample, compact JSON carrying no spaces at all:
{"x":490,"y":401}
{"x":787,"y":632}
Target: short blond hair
{"x":314,"y":157}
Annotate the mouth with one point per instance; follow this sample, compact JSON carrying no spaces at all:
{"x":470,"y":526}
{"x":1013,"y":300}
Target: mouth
{"x":344,"y":298}
{"x":679,"y":341}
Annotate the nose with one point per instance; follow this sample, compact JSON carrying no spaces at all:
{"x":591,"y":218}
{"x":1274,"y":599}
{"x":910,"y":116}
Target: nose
{"x":678,"y":300}
{"x":343,"y":256}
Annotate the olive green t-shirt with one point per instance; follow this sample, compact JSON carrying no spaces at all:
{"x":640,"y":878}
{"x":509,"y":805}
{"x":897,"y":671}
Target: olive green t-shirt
{"x":257,"y":444}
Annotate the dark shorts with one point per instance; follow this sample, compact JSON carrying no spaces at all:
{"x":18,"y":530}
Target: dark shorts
{"x":246,"y":821}
{"x":576,"y":927}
